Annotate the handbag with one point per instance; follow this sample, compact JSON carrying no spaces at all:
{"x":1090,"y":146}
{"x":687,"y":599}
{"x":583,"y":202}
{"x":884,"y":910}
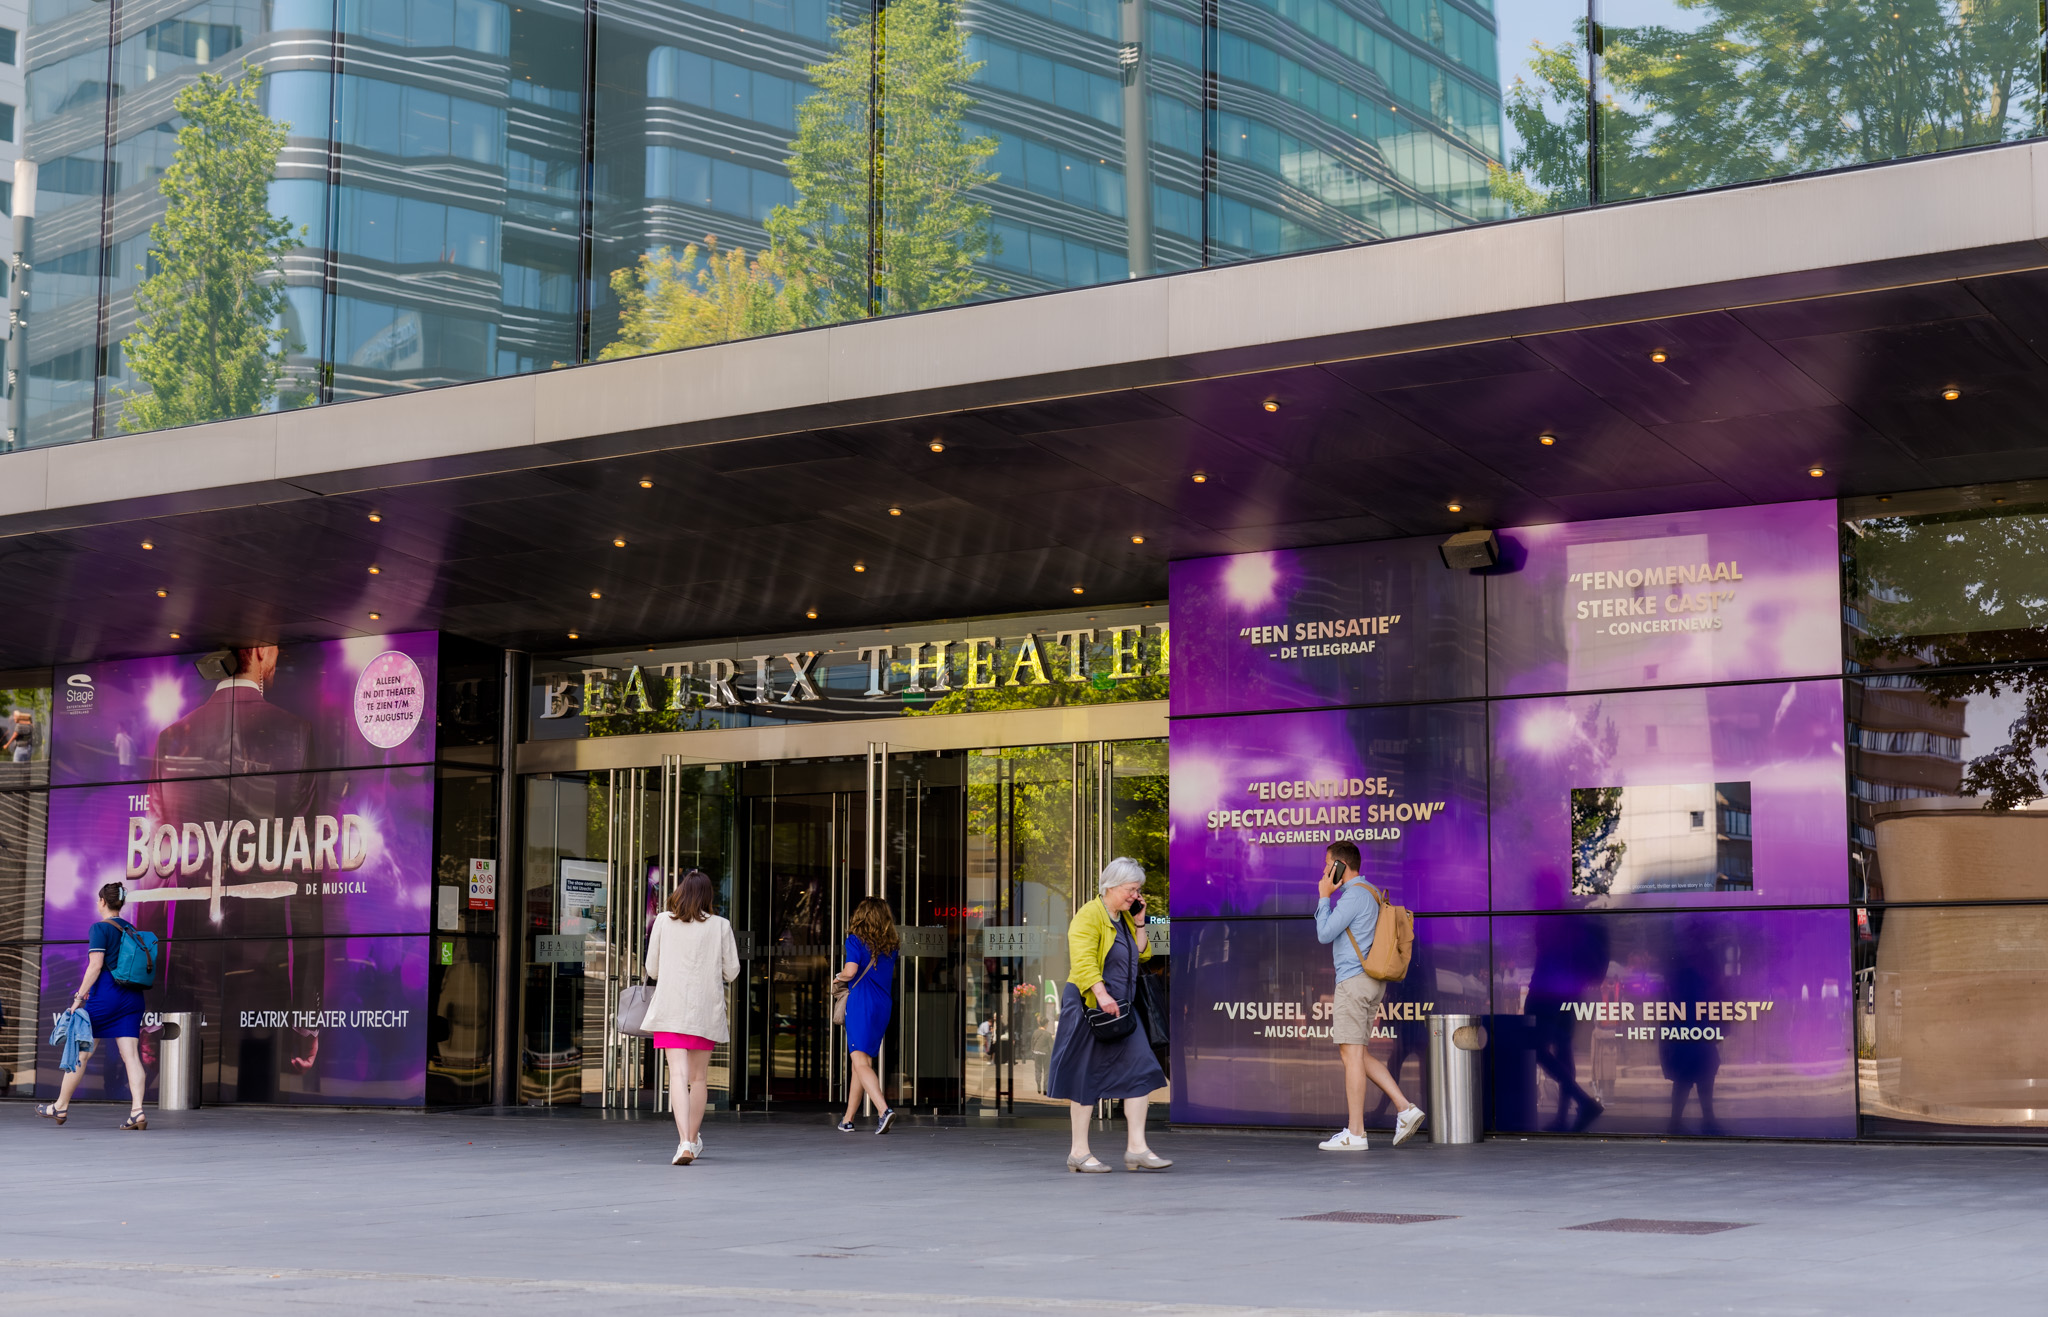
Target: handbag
{"x":634,"y":1003}
{"x":1154,"y":1009}
{"x":842,"y":990}
{"x":1109,"y":1028}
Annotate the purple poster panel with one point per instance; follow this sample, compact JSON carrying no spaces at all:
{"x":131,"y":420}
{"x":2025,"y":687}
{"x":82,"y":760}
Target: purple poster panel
{"x":1255,"y":800}
{"x":359,"y":703}
{"x":1728,"y":795}
{"x":1309,"y":628}
{"x":328,"y":1021}
{"x":1251,"y":1029}
{"x":1693,"y":1023}
{"x":284,"y":855}
{"x":1737,"y":594}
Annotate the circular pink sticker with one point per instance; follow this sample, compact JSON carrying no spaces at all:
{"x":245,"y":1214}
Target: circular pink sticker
{"x":391,"y":697}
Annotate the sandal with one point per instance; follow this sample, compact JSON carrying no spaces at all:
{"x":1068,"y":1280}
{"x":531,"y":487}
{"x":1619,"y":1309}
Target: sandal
{"x":137,"y":1120}
{"x":49,"y":1111}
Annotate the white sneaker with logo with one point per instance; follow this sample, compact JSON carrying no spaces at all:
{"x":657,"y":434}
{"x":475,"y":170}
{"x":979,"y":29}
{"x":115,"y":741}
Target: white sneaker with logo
{"x":1343,"y":1141}
{"x":1407,"y":1123}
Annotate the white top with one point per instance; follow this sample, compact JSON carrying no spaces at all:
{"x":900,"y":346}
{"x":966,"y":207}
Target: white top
{"x":690,"y":965}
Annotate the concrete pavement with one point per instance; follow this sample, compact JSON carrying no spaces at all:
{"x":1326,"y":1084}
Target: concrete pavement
{"x":245,"y":1211}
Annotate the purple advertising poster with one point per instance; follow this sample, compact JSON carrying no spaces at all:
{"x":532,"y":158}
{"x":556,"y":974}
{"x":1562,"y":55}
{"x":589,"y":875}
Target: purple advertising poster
{"x":1310,"y":628}
{"x":1254,"y":801}
{"x":1693,"y":1023}
{"x":1727,"y":795}
{"x":365,"y":702}
{"x":321,"y":1021}
{"x":1736,"y":594}
{"x":1251,"y":1030}
{"x":284,"y":855}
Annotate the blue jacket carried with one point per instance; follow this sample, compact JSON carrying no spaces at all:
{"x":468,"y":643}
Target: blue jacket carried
{"x":74,"y":1033}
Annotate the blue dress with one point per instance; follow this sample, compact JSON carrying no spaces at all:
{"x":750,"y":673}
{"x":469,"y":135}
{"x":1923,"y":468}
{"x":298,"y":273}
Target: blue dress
{"x":1085,"y":1070}
{"x":868,"y":1002}
{"x":116,"y":1011}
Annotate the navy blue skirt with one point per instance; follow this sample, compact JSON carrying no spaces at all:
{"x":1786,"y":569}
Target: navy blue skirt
{"x":1085,"y":1070}
{"x":116,"y":1011}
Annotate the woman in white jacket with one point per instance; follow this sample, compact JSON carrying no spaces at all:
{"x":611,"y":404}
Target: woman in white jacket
{"x":690,"y":957}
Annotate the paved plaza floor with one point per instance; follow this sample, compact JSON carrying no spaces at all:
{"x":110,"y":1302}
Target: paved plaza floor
{"x":244,"y":1211}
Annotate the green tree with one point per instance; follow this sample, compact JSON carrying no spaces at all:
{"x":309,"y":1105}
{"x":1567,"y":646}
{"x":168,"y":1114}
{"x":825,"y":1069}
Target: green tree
{"x":207,"y":339}
{"x":1751,"y":89}
{"x":1596,"y":855}
{"x":702,"y":296}
{"x":912,"y":160}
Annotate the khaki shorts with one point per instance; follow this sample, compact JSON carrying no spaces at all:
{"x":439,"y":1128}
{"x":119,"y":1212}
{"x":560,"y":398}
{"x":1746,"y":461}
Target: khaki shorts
{"x":1358,"y":1000}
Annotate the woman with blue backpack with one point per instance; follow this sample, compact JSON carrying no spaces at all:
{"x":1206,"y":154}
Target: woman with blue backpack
{"x":112,"y":996}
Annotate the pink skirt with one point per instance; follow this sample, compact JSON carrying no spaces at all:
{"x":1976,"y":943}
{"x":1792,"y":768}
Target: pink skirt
{"x":686,"y":1042}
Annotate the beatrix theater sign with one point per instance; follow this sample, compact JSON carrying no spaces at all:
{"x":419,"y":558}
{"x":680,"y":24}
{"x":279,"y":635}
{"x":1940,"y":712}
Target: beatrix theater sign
{"x":912,"y":672}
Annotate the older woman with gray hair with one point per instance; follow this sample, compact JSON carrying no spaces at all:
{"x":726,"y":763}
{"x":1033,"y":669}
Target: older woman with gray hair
{"x":1102,"y":1052}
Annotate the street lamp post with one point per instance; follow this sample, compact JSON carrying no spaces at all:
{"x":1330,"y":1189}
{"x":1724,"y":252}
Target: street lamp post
{"x":17,"y":304}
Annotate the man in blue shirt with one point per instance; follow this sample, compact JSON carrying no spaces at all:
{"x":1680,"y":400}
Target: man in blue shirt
{"x":1347,"y":916}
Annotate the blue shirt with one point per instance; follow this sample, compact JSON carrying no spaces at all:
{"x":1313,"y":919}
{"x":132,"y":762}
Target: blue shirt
{"x":1353,"y":908}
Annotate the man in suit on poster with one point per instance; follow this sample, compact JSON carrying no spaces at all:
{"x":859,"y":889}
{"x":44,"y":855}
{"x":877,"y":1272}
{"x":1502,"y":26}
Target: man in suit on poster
{"x":267,"y":750}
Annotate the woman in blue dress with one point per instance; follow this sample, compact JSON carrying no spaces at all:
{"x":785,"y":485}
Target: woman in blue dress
{"x":870,"y":973}
{"x":116,"y":1010}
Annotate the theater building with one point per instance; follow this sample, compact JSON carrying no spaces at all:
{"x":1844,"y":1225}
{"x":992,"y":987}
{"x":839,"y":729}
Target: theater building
{"x":928,"y":450}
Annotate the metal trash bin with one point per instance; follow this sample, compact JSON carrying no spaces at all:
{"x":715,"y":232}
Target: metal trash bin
{"x":1457,"y":1095}
{"x":177,"y":1074}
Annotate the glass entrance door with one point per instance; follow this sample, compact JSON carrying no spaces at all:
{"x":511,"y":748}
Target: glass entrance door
{"x":982,"y":857}
{"x":819,"y":836}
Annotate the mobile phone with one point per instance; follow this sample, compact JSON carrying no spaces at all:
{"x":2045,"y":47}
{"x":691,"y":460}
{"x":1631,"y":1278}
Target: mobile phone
{"x":1138,"y":908}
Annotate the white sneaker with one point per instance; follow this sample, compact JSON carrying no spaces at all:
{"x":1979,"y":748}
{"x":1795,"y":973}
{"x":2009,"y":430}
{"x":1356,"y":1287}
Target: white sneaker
{"x":685,"y":1153}
{"x":697,"y":1148}
{"x":1406,"y":1123}
{"x":1343,"y":1141}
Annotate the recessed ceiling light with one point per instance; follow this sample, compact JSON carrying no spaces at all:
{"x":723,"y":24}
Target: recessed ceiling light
{"x":148,"y":545}
{"x":937,"y":445}
{"x":1951,"y":394}
{"x":860,"y":567}
{"x":176,"y":636}
{"x":1998,"y":500}
{"x":618,"y":544}
{"x":1077,"y":589}
{"x":1659,"y":356}
{"x":376,"y":516}
{"x":597,"y":594}
{"x":375,"y":570}
{"x":1272,"y":404}
{"x":811,"y":613}
{"x":1137,"y":539}
{"x":895,"y":512}
{"x":1816,"y":471}
{"x":1454,"y":507}
{"x":376,"y":617}
{"x":1546,"y":439}
{"x":163,"y":594}
{"x":1201,"y":477}
{"x":574,"y":636}
{"x":1884,"y":498}
{"x":647,"y":484}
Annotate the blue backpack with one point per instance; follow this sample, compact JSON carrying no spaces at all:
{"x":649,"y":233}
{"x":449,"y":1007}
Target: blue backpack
{"x":135,"y":965}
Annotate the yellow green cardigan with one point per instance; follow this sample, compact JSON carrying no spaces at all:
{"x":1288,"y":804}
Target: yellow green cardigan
{"x":1089,"y":939}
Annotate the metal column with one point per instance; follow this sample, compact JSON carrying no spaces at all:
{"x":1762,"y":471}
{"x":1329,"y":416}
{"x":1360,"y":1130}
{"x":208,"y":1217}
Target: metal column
{"x":505,"y":1049}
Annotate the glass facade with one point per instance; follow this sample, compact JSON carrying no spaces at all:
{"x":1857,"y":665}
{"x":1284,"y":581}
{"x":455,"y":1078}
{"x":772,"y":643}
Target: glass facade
{"x":239,"y":207}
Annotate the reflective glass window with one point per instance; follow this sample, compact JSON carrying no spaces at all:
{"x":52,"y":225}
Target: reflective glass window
{"x":1696,"y":95}
{"x":708,"y":117}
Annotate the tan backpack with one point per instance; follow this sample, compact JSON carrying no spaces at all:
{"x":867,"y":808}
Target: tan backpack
{"x":1393,"y":940}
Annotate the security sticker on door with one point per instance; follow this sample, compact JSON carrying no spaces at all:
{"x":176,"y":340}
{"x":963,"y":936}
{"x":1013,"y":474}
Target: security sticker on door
{"x":1008,"y":943}
{"x":483,"y":884}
